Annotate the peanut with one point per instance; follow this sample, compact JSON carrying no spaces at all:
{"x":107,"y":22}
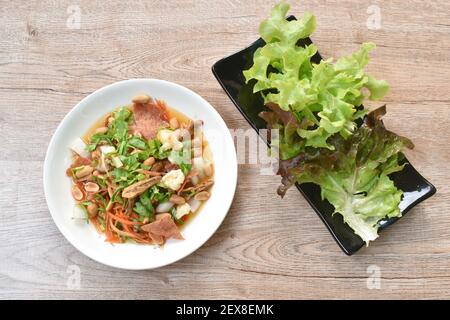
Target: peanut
{"x":101,"y":130}
{"x":76,"y":193}
{"x":174,"y":124}
{"x":91,"y":187}
{"x":208,"y":170}
{"x":158,"y":166}
{"x":177,"y":199}
{"x":149,"y":162}
{"x":202,"y":196}
{"x":92,"y":210}
{"x":141,"y":99}
{"x":83,"y":172}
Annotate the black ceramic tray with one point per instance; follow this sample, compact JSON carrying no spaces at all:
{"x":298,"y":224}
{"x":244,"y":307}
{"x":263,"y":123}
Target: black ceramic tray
{"x":416,"y":188}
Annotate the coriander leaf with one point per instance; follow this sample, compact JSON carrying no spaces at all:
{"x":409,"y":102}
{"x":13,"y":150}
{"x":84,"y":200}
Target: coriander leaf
{"x":185,"y":167}
{"x":122,"y":146}
{"x":140,"y":176}
{"x":154,"y":148}
{"x":173,"y":213}
{"x":137,"y":142}
{"x":140,"y":209}
{"x":144,"y":208}
{"x":122,"y":114}
{"x":91,"y":147}
{"x":96,"y":139}
{"x":119,"y":126}
{"x":158,"y":194}
{"x":120,"y":174}
{"x":181,"y":158}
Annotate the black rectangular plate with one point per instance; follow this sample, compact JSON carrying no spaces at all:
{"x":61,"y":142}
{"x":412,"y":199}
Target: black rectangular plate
{"x":416,"y":188}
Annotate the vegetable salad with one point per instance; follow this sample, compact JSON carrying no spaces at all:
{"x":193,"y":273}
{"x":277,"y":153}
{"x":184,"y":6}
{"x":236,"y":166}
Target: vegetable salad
{"x":141,"y":173}
{"x":325,"y":135}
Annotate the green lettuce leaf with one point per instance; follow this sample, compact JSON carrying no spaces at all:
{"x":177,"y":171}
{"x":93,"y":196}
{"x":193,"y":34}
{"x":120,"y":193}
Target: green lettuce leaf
{"x":276,"y":28}
{"x":354,"y":177}
{"x":316,"y":109}
{"x":326,"y":94}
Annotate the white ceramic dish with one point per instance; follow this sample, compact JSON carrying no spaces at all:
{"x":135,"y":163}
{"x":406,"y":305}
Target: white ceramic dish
{"x":135,"y":256}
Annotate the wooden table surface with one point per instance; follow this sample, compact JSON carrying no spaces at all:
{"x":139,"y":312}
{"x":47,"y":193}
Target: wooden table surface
{"x":266,"y":247}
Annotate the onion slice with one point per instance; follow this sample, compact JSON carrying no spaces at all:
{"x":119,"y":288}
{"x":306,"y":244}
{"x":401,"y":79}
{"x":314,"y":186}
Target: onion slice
{"x":78,"y":213}
{"x":79,"y":147}
{"x":164,"y":207}
{"x":195,"y":204}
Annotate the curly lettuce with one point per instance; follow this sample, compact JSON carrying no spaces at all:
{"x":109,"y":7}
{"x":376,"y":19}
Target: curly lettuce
{"x":354,"y":177}
{"x":317,"y":110}
{"x":326,"y":95}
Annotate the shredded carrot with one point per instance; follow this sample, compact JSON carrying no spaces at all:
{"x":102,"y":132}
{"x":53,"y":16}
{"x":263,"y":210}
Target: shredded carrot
{"x":127,"y":228}
{"x":132,"y":235}
{"x":123,"y":220}
{"x":191,"y":174}
{"x":95,"y":223}
{"x":110,"y":237}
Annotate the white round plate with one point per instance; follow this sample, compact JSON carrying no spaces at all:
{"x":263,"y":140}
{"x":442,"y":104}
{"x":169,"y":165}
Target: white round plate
{"x":76,"y":123}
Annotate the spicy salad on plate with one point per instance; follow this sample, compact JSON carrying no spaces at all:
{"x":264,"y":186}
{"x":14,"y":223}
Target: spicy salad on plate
{"x":141,"y":172}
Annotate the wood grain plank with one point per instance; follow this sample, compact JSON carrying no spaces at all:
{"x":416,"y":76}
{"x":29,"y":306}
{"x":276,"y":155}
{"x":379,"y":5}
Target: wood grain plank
{"x":266,"y":247}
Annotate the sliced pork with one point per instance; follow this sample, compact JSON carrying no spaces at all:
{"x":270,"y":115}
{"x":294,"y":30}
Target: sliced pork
{"x":162,"y":229}
{"x":149,"y":117}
